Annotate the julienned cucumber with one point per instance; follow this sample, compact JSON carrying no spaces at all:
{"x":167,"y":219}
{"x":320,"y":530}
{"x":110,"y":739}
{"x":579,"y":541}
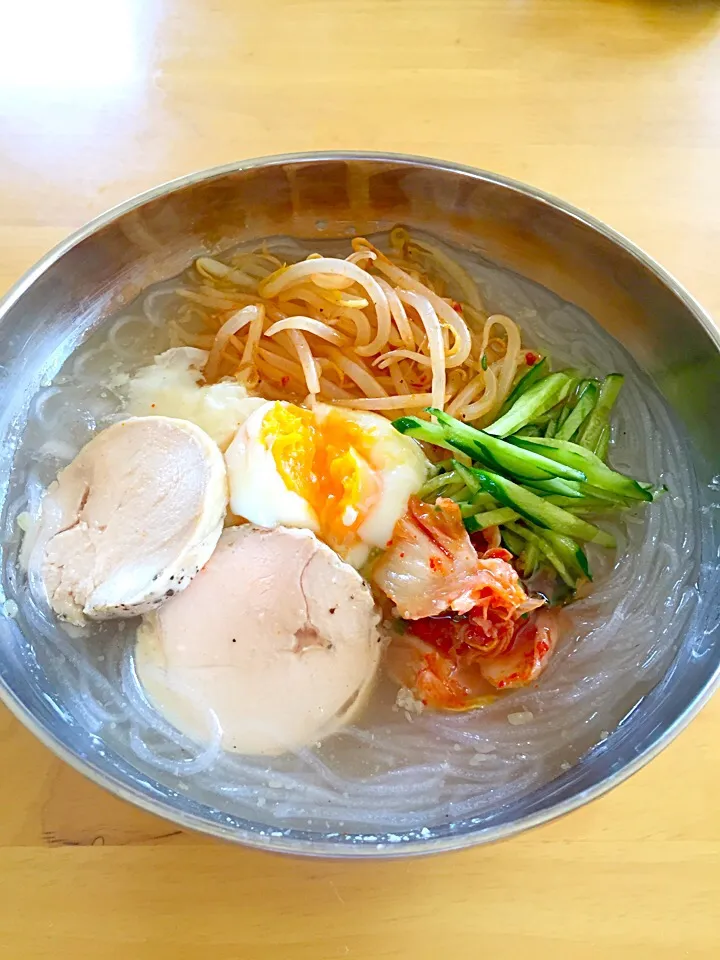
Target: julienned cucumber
{"x":533,"y":403}
{"x":531,"y":376}
{"x":592,"y":431}
{"x":491,"y":451}
{"x":529,"y":558}
{"x":601,"y":447}
{"x":546,"y":550}
{"x":534,"y":508}
{"x":499,"y":454}
{"x":491,"y":518}
{"x":582,"y":409}
{"x":597,"y":473}
{"x":514,"y":543}
{"x":572,"y":553}
{"x":480,"y":503}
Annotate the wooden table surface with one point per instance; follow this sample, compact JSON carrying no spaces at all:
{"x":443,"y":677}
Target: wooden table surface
{"x":613,"y":105}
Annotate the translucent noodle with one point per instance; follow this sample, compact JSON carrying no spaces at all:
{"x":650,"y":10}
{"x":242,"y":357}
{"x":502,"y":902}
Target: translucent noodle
{"x":211,"y":299}
{"x":215,"y":270}
{"x":409,"y":247}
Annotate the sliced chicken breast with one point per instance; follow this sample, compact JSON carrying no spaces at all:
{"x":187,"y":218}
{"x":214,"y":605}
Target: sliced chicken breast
{"x":275,"y":641}
{"x":131,"y":520}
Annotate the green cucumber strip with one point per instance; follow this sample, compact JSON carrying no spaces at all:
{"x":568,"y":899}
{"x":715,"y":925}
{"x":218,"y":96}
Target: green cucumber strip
{"x":534,"y":508}
{"x":534,"y":373}
{"x":473,"y":483}
{"x":556,"y":487}
{"x":491,"y":518}
{"x":479,"y":503}
{"x":609,"y":390}
{"x":491,"y":451}
{"x":584,"y":503}
{"x":601,"y":447}
{"x":458,"y":492}
{"x":436,"y":484}
{"x":530,"y":559}
{"x":422,"y":430}
{"x":512,"y":541}
{"x":545,"y":549}
{"x":589,"y":508}
{"x":499,"y":454}
{"x":570,"y":552}
{"x":582,"y":410}
{"x":577,"y":491}
{"x":596,"y":472}
{"x":564,"y":414}
{"x":533,"y":403}
{"x":552,"y":427}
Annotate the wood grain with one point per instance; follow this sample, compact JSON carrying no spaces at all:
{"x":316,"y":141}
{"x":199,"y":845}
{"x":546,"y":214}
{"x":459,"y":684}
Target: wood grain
{"x":613,"y":105}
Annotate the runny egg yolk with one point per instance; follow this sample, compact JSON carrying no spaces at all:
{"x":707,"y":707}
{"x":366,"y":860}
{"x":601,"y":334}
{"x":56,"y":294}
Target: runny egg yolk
{"x":325,"y":464}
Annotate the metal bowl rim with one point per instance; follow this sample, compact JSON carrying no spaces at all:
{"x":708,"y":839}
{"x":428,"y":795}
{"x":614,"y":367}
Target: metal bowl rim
{"x":306,"y":843}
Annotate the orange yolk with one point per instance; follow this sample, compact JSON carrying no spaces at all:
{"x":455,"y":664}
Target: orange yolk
{"x":326,"y":465}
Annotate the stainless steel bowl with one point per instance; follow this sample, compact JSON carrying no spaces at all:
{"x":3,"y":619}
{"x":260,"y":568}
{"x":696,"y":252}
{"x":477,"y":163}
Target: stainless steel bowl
{"x":154,"y":236}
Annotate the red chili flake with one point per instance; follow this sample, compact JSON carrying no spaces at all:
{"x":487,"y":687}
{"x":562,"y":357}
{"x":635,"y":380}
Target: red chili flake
{"x":435,"y":564}
{"x":457,"y":307}
{"x":152,"y":406}
{"x":389,"y":543}
{"x":531,"y":358}
{"x":402,"y":555}
{"x":284,"y":381}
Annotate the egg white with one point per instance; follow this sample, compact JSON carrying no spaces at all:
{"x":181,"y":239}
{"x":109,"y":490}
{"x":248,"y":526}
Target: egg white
{"x":257,"y":491}
{"x":172,"y":387}
{"x":398,"y":463}
{"x":259,"y":494}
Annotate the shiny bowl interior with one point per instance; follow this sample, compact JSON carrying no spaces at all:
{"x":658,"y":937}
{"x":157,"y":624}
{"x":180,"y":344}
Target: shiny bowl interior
{"x":154,"y":236}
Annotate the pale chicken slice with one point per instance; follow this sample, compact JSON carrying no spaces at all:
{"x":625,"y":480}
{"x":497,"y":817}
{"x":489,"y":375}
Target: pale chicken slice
{"x":276,"y":641}
{"x":131,"y":520}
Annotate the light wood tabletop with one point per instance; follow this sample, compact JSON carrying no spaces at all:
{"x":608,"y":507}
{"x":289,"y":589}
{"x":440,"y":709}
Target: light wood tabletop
{"x":613,"y":105}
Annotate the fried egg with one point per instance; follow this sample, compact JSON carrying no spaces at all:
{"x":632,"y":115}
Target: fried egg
{"x":345,"y":474}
